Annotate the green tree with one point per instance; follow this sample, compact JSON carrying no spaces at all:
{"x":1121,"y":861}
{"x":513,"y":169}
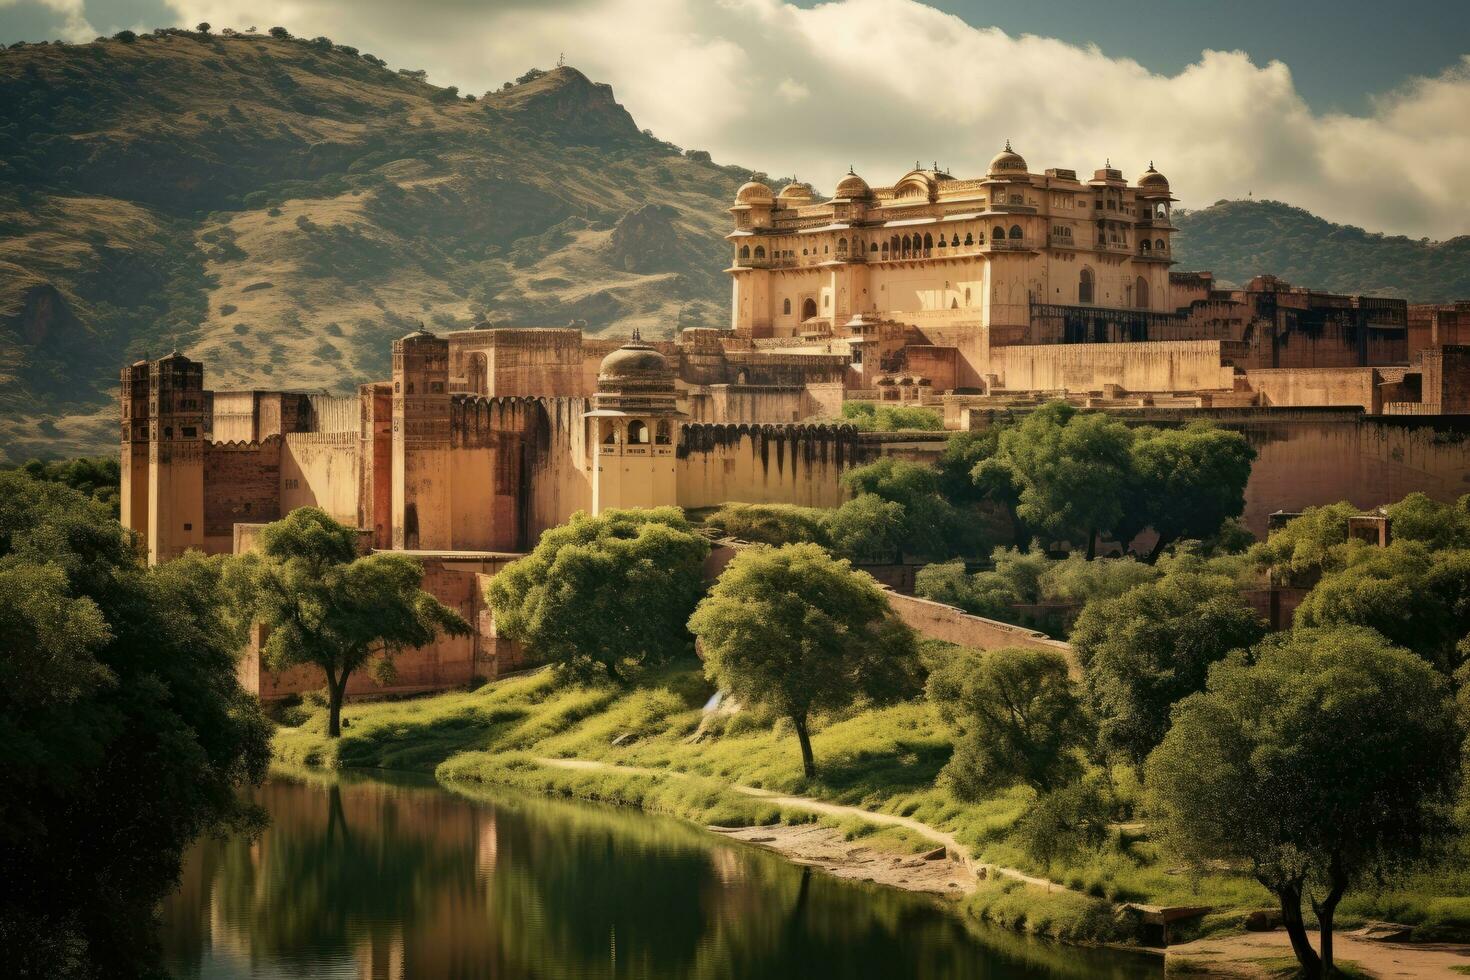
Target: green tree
{"x":1071,"y":469}
{"x":929,"y":521}
{"x":600,"y":596}
{"x":1324,"y":762}
{"x":1307,"y":545}
{"x":868,"y":528}
{"x":1415,"y":597}
{"x":1151,"y":646}
{"x":1016,"y":719}
{"x":1436,"y":525}
{"x":770,"y":523}
{"x":797,"y":631}
{"x":1185,"y":483}
{"x":127,"y":734}
{"x":325,"y":605}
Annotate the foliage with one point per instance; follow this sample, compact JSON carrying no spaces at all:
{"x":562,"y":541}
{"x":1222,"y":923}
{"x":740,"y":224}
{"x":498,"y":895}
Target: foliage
{"x":1066,"y":821}
{"x":798,"y":631}
{"x":1323,"y":763}
{"x":126,"y":732}
{"x":1415,"y":597}
{"x":1185,"y":483}
{"x":1144,"y":650}
{"x":325,"y":606}
{"x":869,"y":528}
{"x":606,"y":595}
{"x":99,"y":477}
{"x":930,"y":522}
{"x":1307,"y":545}
{"x":1071,"y":468}
{"x":1016,"y":719}
{"x":770,"y":523}
{"x":1435,"y":525}
{"x":872,"y":417}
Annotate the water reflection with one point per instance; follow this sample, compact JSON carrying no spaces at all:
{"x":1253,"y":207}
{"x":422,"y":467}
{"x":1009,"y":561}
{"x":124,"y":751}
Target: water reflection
{"x":387,"y":880}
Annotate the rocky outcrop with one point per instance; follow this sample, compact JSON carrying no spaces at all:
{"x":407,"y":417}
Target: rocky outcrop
{"x":645,"y":240}
{"x":569,"y":106}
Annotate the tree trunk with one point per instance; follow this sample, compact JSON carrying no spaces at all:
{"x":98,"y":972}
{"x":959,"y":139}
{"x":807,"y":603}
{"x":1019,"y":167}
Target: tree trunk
{"x":1159,"y":546}
{"x":1091,"y":545}
{"x":1020,"y":536}
{"x":1296,"y":929}
{"x":336,"y":688}
{"x":808,"y":762}
{"x":612,"y":671}
{"x":1325,"y":910}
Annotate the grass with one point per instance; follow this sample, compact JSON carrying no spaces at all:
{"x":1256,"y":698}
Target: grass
{"x":883,"y":759}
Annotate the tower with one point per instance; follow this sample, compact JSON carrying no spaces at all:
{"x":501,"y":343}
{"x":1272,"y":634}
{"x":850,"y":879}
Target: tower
{"x":632,"y":420}
{"x":421,"y":467}
{"x":175,"y":457}
{"x":133,"y":460}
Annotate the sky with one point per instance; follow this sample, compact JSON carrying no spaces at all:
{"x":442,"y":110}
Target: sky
{"x":1357,"y":111}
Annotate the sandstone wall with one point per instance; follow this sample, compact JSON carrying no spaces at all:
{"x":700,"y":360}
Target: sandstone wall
{"x":320,"y":469}
{"x":792,"y":464}
{"x":1176,"y":365}
{"x":1294,"y":387}
{"x":940,"y":622}
{"x":242,"y":484}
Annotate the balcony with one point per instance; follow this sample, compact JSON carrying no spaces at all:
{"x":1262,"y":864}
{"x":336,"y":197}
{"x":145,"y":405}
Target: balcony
{"x":1112,"y":246}
{"x":746,"y":262}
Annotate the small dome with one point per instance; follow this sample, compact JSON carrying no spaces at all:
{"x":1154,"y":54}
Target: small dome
{"x":796,"y":191}
{"x":753,"y":192}
{"x":634,"y":359}
{"x":1007,"y":161}
{"x":1152,"y":178}
{"x":852,"y":187}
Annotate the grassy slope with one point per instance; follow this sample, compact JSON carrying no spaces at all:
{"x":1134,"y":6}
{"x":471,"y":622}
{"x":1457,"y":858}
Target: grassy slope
{"x":284,"y":210}
{"x":885,"y":759}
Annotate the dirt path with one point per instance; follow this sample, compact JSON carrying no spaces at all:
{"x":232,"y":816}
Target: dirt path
{"x":1423,"y":961}
{"x":977,"y":869}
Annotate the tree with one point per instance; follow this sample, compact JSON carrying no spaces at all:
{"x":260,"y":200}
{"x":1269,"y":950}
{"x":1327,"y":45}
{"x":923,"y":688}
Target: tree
{"x":325,"y":605}
{"x":202,"y":27}
{"x":1071,"y":469}
{"x":1016,"y":718}
{"x":603,"y":596}
{"x":1325,"y":761}
{"x":1307,"y":545}
{"x":280,"y":33}
{"x":1185,"y":483}
{"x":868,"y":528}
{"x":1420,"y":518}
{"x":770,"y":523}
{"x":1415,"y":597}
{"x":929,"y":522}
{"x":127,"y":734}
{"x":1151,"y":646}
{"x":798,"y":631}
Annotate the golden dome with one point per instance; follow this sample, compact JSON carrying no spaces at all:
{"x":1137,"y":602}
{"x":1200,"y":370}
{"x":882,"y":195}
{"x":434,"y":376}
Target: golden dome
{"x":796,"y":191}
{"x":852,"y":187}
{"x":1152,"y":178}
{"x":753,"y":192}
{"x":1007,"y":161}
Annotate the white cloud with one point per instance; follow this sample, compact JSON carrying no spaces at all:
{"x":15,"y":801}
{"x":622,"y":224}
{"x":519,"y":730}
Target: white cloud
{"x":73,"y":25}
{"x":878,"y":83}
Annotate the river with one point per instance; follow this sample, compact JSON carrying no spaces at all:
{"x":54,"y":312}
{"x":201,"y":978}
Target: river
{"x":388,"y":879}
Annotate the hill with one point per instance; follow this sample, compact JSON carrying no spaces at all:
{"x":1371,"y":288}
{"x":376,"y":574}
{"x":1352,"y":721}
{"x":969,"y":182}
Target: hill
{"x":1241,"y":239}
{"x":284,"y":207}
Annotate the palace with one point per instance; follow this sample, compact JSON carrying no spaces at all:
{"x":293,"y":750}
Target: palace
{"x":978,"y":298}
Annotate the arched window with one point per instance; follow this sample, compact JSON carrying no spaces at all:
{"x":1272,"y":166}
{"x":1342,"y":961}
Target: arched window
{"x":967,"y":295}
{"x":969,"y":238}
{"x":663,"y":436}
{"x":477,"y":374}
{"x":842,"y":245}
{"x":786,"y":307}
{"x":907,"y":245}
{"x":1159,"y":244}
{"x":928,"y":242}
{"x":942,"y":243}
{"x":885,"y":249}
{"x":1016,"y":232}
{"x":637,"y":433}
{"x":808,"y":309}
{"x":1140,"y":293}
{"x":803,"y":251}
{"x":1144,"y":245}
{"x":1085,"y":287}
{"x":760,"y":251}
{"x":610,"y":434}
{"x":894,"y":243}
{"x":955,"y":242}
{"x":998,"y":233}
{"x":745,"y":251}
{"x":874,"y":247}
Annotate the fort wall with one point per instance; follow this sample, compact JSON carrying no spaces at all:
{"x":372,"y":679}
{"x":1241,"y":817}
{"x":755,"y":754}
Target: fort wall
{"x":793,"y":464}
{"x":1292,"y":387}
{"x":1175,"y":365}
{"x":320,"y":469}
{"x":242,"y":484}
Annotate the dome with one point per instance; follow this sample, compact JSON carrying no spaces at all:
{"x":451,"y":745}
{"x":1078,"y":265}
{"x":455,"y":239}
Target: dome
{"x":796,"y":191}
{"x":634,"y":359}
{"x":753,"y":192}
{"x":1007,"y":161}
{"x":1152,"y":178}
{"x":852,"y":186}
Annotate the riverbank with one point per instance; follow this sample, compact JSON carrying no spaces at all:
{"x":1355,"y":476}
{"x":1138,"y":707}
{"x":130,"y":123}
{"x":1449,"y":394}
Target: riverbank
{"x":652,"y":746}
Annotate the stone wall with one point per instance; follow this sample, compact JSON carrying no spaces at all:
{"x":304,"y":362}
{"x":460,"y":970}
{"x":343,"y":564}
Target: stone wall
{"x":940,"y":622}
{"x":242,"y":484}
{"x":1174,"y":365}
{"x":1296,"y":387}
{"x":790,"y":464}
{"x":320,"y":469}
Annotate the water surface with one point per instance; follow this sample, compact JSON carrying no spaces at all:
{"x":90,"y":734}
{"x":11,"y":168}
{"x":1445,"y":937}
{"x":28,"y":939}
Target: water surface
{"x":402,"y":879}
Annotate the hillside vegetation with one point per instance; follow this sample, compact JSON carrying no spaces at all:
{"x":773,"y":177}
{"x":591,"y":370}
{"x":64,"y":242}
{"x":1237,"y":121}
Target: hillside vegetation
{"x":282,"y":208}
{"x":1241,"y":239}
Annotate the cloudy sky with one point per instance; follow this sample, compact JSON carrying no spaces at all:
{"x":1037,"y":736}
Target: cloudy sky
{"x":1358,"y":111}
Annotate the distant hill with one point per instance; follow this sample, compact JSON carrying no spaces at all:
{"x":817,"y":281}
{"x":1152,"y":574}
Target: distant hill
{"x":1241,"y":239}
{"x":283,"y":208}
